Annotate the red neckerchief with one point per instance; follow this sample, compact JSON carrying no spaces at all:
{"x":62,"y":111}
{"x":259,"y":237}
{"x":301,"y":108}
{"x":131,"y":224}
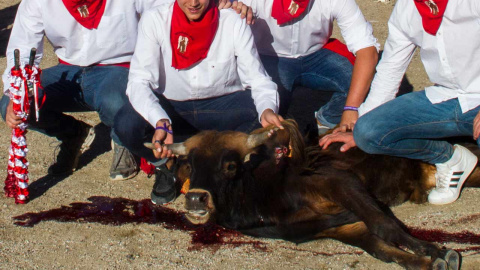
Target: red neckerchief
{"x":286,"y":10}
{"x":88,"y":13}
{"x":191,"y":40}
{"x":432,"y":14}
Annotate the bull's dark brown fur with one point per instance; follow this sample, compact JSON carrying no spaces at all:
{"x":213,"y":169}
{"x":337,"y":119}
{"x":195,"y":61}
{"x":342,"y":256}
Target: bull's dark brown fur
{"x":313,"y":194}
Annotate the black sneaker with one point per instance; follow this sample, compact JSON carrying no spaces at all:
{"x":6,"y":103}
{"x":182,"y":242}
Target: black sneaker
{"x":124,"y":165}
{"x":164,"y":189}
{"x":70,"y":150}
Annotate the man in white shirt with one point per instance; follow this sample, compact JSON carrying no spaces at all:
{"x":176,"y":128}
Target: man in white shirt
{"x":94,"y":41}
{"x":293,"y":37}
{"x":412,"y":125}
{"x":192,"y":65}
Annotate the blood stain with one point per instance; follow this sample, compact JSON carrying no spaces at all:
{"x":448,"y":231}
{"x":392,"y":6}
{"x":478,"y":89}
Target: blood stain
{"x":119,"y":211}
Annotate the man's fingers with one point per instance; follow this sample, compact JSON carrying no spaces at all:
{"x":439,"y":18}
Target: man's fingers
{"x":224,"y":4}
{"x":346,"y":147}
{"x":244,"y":12}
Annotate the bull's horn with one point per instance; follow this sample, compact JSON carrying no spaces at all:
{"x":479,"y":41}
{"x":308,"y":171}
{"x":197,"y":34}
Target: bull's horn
{"x":177,"y":148}
{"x":255,"y":140}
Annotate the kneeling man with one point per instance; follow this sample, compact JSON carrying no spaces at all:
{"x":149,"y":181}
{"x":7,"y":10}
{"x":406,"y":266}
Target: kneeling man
{"x":193,"y":65}
{"x":414,"y":125}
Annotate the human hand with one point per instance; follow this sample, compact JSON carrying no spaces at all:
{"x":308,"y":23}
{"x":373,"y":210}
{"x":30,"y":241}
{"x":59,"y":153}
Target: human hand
{"x":244,"y":11}
{"x":223,"y":4}
{"x":11,"y":118}
{"x":347,"y":123}
{"x":345,"y":137}
{"x":270,"y":118}
{"x":160,"y":137}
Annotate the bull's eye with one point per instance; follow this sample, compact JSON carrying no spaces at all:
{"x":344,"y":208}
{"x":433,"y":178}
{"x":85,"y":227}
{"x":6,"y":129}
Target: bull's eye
{"x":232,"y":167}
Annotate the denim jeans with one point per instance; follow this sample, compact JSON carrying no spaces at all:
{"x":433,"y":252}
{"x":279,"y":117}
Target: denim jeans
{"x":411,"y":126}
{"x":77,"y":89}
{"x":235,"y":111}
{"x":323,"y":70}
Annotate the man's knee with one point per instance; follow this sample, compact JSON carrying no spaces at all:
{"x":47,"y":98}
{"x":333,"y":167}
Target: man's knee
{"x":367,"y":136}
{"x":128,"y":126}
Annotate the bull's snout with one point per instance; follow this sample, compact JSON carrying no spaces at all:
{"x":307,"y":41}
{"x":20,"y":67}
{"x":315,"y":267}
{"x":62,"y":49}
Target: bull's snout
{"x":196,"y":200}
{"x":199,"y":206}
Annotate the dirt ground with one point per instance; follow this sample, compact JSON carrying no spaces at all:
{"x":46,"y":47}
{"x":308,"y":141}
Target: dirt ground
{"x":115,"y":233}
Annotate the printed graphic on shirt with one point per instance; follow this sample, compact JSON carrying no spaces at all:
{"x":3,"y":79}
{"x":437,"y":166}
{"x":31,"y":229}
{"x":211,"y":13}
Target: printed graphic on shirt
{"x":182,"y":44}
{"x":83,"y":10}
{"x":293,"y":8}
{"x":432,"y":6}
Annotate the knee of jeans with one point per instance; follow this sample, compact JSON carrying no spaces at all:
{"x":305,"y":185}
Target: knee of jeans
{"x":366,"y":137}
{"x":3,"y":106}
{"x":108,"y":108}
{"x":128,"y":127}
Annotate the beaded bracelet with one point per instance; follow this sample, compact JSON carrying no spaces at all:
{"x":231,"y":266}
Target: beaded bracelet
{"x":350,"y":108}
{"x":164,"y":128}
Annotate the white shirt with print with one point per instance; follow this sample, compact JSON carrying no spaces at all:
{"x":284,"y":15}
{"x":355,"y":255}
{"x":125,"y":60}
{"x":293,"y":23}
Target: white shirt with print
{"x":232,"y":64}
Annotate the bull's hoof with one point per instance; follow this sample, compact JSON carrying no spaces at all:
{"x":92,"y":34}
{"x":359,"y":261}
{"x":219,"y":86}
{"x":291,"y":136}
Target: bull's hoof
{"x":439,"y":264}
{"x":453,"y":260}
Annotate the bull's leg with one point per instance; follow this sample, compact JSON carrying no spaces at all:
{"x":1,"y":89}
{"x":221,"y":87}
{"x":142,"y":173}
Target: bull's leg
{"x":357,"y":234}
{"x":348,"y":191}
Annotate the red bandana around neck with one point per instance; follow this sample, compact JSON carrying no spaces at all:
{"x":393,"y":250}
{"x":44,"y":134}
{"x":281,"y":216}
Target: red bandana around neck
{"x":286,"y":10}
{"x":88,"y":13}
{"x":432,"y":14}
{"x":191,"y":40}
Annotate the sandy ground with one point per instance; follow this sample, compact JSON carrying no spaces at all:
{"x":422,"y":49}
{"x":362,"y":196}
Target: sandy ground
{"x":120,"y":234}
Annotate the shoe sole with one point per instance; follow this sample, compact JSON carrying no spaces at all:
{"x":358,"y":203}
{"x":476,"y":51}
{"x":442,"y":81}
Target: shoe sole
{"x":120,"y":177}
{"x":85,"y":146}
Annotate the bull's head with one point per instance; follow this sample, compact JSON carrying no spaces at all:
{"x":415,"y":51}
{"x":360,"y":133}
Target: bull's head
{"x":214,"y":162}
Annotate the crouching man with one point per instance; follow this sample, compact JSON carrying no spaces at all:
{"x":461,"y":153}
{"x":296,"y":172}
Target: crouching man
{"x":193,"y":65}
{"x":414,"y":125}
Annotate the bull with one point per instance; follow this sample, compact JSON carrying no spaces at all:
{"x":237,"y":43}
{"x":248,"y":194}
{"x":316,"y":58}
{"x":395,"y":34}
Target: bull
{"x":269,"y":184}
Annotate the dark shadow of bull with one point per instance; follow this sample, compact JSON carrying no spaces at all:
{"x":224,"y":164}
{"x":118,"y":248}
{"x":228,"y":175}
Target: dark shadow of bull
{"x":276,"y":187}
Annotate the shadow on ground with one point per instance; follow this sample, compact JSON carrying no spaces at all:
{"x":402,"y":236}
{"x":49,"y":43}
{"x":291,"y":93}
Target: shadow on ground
{"x":100,"y":145}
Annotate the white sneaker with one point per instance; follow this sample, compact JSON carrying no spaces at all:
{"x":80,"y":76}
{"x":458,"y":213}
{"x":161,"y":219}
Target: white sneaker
{"x":321,"y":128}
{"x":451,"y":175}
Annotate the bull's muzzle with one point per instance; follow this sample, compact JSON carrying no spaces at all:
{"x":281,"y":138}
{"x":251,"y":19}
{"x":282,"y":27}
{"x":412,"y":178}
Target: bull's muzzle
{"x":199,"y":206}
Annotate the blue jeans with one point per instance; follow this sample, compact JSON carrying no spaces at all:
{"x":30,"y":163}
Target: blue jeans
{"x":235,"y":111}
{"x":410,"y":126}
{"x":323,"y":70}
{"x":77,"y":89}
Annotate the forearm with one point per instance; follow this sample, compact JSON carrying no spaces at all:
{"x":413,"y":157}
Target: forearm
{"x":363,"y":72}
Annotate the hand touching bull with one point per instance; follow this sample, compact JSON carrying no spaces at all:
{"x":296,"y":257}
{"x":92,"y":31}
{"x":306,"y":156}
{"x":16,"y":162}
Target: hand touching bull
{"x":163,"y":135}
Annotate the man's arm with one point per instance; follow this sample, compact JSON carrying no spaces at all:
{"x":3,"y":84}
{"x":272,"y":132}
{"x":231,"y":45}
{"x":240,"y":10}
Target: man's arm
{"x":363,"y":71}
{"x":253,"y":75}
{"x":145,"y":69}
{"x":27,"y":33}
{"x":358,"y":35}
{"x":397,"y":54}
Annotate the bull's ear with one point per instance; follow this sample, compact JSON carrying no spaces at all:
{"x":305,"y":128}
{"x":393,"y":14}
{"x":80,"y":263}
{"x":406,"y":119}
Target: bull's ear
{"x":177,"y":148}
{"x":258,"y":139}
